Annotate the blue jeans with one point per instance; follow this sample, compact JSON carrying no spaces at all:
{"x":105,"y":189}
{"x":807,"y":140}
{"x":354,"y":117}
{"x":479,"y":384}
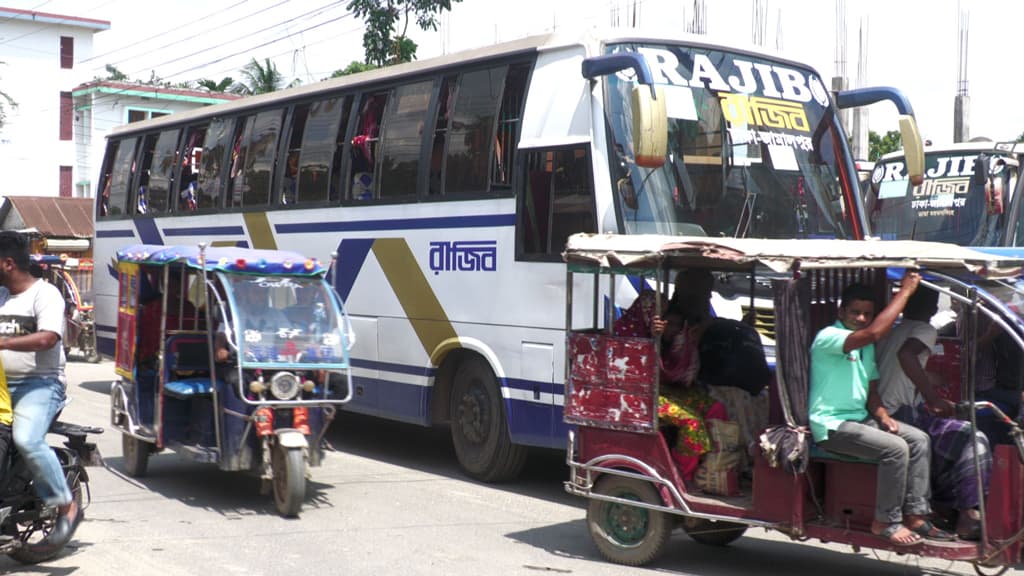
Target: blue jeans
{"x":36,"y":402}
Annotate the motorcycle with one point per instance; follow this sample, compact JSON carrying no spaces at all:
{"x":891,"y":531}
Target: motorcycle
{"x":25,"y":521}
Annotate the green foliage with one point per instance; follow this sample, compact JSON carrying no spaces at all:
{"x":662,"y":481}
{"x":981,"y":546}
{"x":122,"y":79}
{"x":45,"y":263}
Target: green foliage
{"x":354,"y":67}
{"x":383,"y":43}
{"x":214,"y":86}
{"x":1021,"y":137}
{"x":881,"y":145}
{"x":260,"y":79}
{"x":114,"y":74}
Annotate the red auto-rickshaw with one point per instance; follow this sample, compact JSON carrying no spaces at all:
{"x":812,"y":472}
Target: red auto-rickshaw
{"x":618,"y":455}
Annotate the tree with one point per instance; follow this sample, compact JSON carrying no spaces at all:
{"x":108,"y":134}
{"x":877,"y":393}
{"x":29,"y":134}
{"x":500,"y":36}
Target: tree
{"x":114,"y":74}
{"x":260,"y":79}
{"x":5,"y":102}
{"x":214,"y":86}
{"x":382,"y":44}
{"x":1021,"y":137}
{"x":354,"y":67}
{"x":880,"y":145}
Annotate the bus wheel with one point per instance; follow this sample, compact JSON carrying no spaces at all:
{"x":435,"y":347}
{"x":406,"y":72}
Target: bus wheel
{"x":712,"y":532}
{"x":135,"y":454}
{"x":479,"y":427}
{"x":627,"y":534}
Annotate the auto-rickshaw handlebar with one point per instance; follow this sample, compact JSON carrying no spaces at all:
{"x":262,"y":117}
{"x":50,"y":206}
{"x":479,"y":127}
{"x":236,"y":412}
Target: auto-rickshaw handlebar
{"x":963,"y":412}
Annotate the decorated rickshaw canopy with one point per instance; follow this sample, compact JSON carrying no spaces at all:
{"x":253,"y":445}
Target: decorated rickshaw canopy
{"x":224,"y":259}
{"x":648,"y":251}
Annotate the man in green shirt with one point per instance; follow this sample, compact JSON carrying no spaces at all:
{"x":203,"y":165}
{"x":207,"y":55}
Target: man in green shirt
{"x":847,"y":416}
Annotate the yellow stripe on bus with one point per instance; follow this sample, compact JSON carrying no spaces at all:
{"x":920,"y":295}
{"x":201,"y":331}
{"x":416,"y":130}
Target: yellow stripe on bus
{"x":260,"y":233}
{"x":414,"y":293}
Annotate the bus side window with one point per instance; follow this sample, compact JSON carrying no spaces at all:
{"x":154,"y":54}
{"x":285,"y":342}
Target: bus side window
{"x":509,"y":121}
{"x":337,"y":182}
{"x":558,"y":201}
{"x":260,"y":152}
{"x":290,"y":179}
{"x":216,"y":149}
{"x":471,"y":138}
{"x":160,"y":172}
{"x":441,"y":127}
{"x":364,"y":147}
{"x":191,"y":158}
{"x":141,"y":203}
{"x":240,"y":143}
{"x":316,"y":155}
{"x":402,"y":139}
{"x":117,"y":178}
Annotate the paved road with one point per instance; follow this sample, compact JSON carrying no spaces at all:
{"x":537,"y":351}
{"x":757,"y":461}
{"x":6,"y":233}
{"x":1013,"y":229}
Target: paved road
{"x":389,"y":500}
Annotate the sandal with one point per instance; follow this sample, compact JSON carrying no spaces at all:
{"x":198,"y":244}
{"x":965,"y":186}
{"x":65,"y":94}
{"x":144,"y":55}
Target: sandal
{"x":889,"y":535}
{"x":928,"y":530}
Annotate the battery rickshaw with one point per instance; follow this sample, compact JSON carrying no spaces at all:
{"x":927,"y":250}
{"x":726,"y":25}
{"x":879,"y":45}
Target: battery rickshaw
{"x":618,"y":454}
{"x":229,"y":356}
{"x":73,"y":277}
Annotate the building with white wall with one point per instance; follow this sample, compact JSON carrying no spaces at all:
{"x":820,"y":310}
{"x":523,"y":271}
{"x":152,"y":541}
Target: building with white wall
{"x":40,"y":54}
{"x":102,"y":105}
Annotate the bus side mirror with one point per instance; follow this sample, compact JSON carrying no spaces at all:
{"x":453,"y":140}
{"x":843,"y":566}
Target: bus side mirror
{"x":650,"y":126}
{"x":913,"y":149}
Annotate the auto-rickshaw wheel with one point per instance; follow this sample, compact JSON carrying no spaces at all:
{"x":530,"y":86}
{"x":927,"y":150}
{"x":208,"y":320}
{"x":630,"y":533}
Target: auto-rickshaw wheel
{"x":713,"y":532}
{"x":135,"y":456}
{"x":288,"y":466}
{"x":982,"y":570}
{"x":627,"y":534}
{"x":479,"y":427}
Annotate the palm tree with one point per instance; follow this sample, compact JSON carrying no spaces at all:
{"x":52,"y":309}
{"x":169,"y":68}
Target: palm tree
{"x":260,"y":79}
{"x":214,"y":86}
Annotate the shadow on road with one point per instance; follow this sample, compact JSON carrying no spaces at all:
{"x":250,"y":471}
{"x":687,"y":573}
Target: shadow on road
{"x":98,"y":386}
{"x":748,"y":555}
{"x":430,"y":450}
{"x":230,"y":494}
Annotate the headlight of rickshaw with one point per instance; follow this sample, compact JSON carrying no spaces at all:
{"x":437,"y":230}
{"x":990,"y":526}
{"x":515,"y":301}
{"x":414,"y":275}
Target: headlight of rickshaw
{"x":285,"y":385}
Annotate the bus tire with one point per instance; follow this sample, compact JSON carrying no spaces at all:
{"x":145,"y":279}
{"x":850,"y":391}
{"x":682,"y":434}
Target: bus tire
{"x":627,"y":534}
{"x":713,"y":532}
{"x":479,"y":427}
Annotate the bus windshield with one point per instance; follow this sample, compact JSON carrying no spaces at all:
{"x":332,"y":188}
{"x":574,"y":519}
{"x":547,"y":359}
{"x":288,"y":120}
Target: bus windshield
{"x":754,"y":150}
{"x":965,"y":197}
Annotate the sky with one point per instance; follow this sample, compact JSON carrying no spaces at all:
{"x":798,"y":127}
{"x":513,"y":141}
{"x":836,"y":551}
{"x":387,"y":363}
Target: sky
{"x":910,"y":44}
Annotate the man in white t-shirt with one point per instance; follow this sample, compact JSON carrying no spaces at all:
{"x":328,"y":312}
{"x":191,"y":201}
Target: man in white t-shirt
{"x":908,"y":393}
{"x":31,"y":328}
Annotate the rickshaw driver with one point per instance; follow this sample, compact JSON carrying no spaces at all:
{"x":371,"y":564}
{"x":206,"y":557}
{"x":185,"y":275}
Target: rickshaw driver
{"x":847,"y":416}
{"x":32,"y":323}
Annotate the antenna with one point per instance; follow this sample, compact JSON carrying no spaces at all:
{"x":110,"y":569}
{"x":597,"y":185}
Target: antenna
{"x":962,"y":101}
{"x":778,"y":29}
{"x":699,"y":25}
{"x":840,"y":53}
{"x":961,"y":71}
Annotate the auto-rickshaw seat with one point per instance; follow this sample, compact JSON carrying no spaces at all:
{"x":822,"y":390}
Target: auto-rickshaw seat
{"x":188,"y":365}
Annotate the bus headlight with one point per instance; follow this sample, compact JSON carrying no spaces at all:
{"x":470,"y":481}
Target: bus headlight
{"x":285,"y":385}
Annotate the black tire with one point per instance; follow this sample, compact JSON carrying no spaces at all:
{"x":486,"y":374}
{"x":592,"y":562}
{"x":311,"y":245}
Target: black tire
{"x":33,"y":534}
{"x":289,"y":468}
{"x":713,"y":532}
{"x":135,"y":456}
{"x":479,"y":426}
{"x":627,"y":534}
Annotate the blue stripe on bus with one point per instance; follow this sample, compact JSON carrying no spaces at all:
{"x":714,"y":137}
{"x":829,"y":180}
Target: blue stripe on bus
{"x":205,"y":231}
{"x":351,"y":255}
{"x":405,"y":402}
{"x":392,"y":367}
{"x":534,"y":386}
{"x":148,"y":231}
{"x":485,"y":221}
{"x":106,"y":346}
{"x":115,"y":234}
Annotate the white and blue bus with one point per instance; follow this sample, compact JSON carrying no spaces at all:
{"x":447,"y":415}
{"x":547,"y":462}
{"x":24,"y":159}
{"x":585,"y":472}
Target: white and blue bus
{"x":448,"y":187}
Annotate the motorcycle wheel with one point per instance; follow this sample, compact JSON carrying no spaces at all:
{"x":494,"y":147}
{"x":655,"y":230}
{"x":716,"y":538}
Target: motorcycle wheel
{"x":135,"y":455}
{"x":289,"y":469}
{"x":33,"y":533}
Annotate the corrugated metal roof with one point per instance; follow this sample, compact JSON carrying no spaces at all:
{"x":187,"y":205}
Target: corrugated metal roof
{"x":53,"y":217}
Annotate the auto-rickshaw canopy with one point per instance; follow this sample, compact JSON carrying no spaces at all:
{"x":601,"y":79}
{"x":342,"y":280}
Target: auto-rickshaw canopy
{"x":646,"y":251}
{"x":223,"y":259}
